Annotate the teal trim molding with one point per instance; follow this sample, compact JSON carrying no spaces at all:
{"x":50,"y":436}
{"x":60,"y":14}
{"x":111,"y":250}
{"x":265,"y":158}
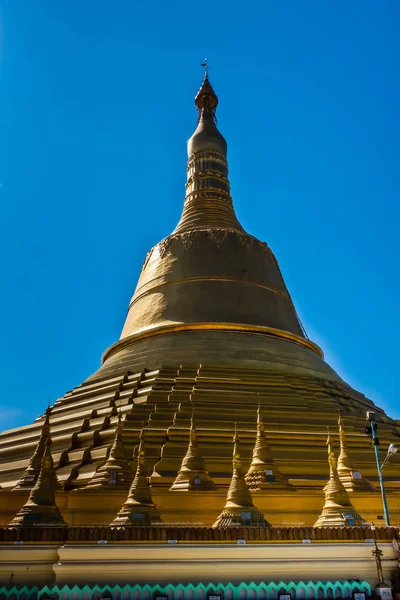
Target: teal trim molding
{"x":242,"y":591}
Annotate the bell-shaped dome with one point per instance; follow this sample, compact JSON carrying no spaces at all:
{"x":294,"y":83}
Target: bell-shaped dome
{"x":207,"y":137}
{"x":210,"y":279}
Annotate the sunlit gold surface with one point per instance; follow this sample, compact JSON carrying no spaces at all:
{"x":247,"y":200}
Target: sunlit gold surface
{"x":211,"y":325}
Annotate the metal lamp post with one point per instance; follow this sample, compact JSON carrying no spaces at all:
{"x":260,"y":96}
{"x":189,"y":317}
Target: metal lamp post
{"x":372,"y":430}
{"x":377,"y":553}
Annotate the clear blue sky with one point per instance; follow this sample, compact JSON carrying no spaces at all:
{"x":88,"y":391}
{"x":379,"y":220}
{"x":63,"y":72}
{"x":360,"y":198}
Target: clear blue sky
{"x":96,"y":104}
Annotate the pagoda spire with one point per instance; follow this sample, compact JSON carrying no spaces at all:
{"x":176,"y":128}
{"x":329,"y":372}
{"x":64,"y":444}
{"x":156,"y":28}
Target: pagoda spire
{"x":208,"y":203}
{"x":138,"y":508}
{"x":230,"y":280}
{"x":41,"y":508}
{"x":338,"y":510}
{"x":193,"y":474}
{"x":117,"y":470}
{"x":352,"y":479}
{"x":263,"y":472}
{"x":32,"y":471}
{"x":239,"y":509}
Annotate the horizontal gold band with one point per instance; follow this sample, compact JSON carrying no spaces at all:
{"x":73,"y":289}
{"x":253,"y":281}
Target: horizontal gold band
{"x":138,"y":294}
{"x":154,"y":330}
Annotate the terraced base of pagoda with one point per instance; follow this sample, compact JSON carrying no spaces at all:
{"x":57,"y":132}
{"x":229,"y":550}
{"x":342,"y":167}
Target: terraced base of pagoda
{"x":295,"y":407}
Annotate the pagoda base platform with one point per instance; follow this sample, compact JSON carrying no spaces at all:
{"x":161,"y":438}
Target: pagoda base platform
{"x":171,"y":556}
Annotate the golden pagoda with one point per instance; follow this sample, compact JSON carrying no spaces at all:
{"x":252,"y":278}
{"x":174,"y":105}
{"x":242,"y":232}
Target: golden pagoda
{"x":31,"y":473}
{"x":192,"y":475}
{"x":239,"y":508}
{"x":263,"y":472}
{"x":338,"y":510}
{"x":116,"y":471}
{"x":210,"y":324}
{"x":138,"y":508}
{"x":41,"y":508}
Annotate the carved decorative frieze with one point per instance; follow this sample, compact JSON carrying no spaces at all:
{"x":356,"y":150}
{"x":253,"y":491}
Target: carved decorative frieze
{"x":146,"y":260}
{"x":164,"y":245}
{"x":218,"y":236}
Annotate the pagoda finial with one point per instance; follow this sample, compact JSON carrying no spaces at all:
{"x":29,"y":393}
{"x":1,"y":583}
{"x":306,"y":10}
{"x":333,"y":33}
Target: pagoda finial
{"x":338,"y":510}
{"x":193,"y":474}
{"x":206,"y":67}
{"x":138,"y":508}
{"x":331,"y":455}
{"x":192,"y":431}
{"x":208,"y":202}
{"x":32,"y":471}
{"x":206,"y":99}
{"x":239,"y":509}
{"x":41,"y":508}
{"x":236,"y":452}
{"x":263,"y":472}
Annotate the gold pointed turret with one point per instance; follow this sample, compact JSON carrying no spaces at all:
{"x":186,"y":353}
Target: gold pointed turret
{"x":139,"y":508}
{"x":239,"y":509}
{"x":208,"y":202}
{"x":32,"y":471}
{"x":193,"y":474}
{"x":263,"y":472}
{"x":200,"y":260}
{"x":352,"y":479}
{"x":338,"y":510}
{"x":41,"y":508}
{"x":116,"y":473}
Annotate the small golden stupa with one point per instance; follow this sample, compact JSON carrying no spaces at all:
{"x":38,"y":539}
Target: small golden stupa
{"x":338,"y":510}
{"x":263,"y":472}
{"x":139,"y":508}
{"x":41,"y":508}
{"x":116,"y":473}
{"x":31,"y":473}
{"x":193,"y":474}
{"x":239,"y":509}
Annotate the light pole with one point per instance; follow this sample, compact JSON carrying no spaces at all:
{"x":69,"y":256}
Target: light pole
{"x":391,"y":451}
{"x":372,"y":430}
{"x":378,"y":558}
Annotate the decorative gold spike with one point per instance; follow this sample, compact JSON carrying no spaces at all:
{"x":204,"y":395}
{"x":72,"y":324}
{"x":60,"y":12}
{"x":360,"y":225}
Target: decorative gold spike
{"x":239,"y":509}
{"x":41,"y":508}
{"x":116,"y":472}
{"x":31,"y":473}
{"x":138,"y":508}
{"x":193,"y":474}
{"x":263,"y":472}
{"x":206,"y":99}
{"x":338,"y":510}
{"x":352,"y":479}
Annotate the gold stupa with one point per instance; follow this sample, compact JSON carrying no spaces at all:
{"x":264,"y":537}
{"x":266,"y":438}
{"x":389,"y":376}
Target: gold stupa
{"x":239,"y":508}
{"x":338,"y":510}
{"x":138,"y":508}
{"x":211,"y":324}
